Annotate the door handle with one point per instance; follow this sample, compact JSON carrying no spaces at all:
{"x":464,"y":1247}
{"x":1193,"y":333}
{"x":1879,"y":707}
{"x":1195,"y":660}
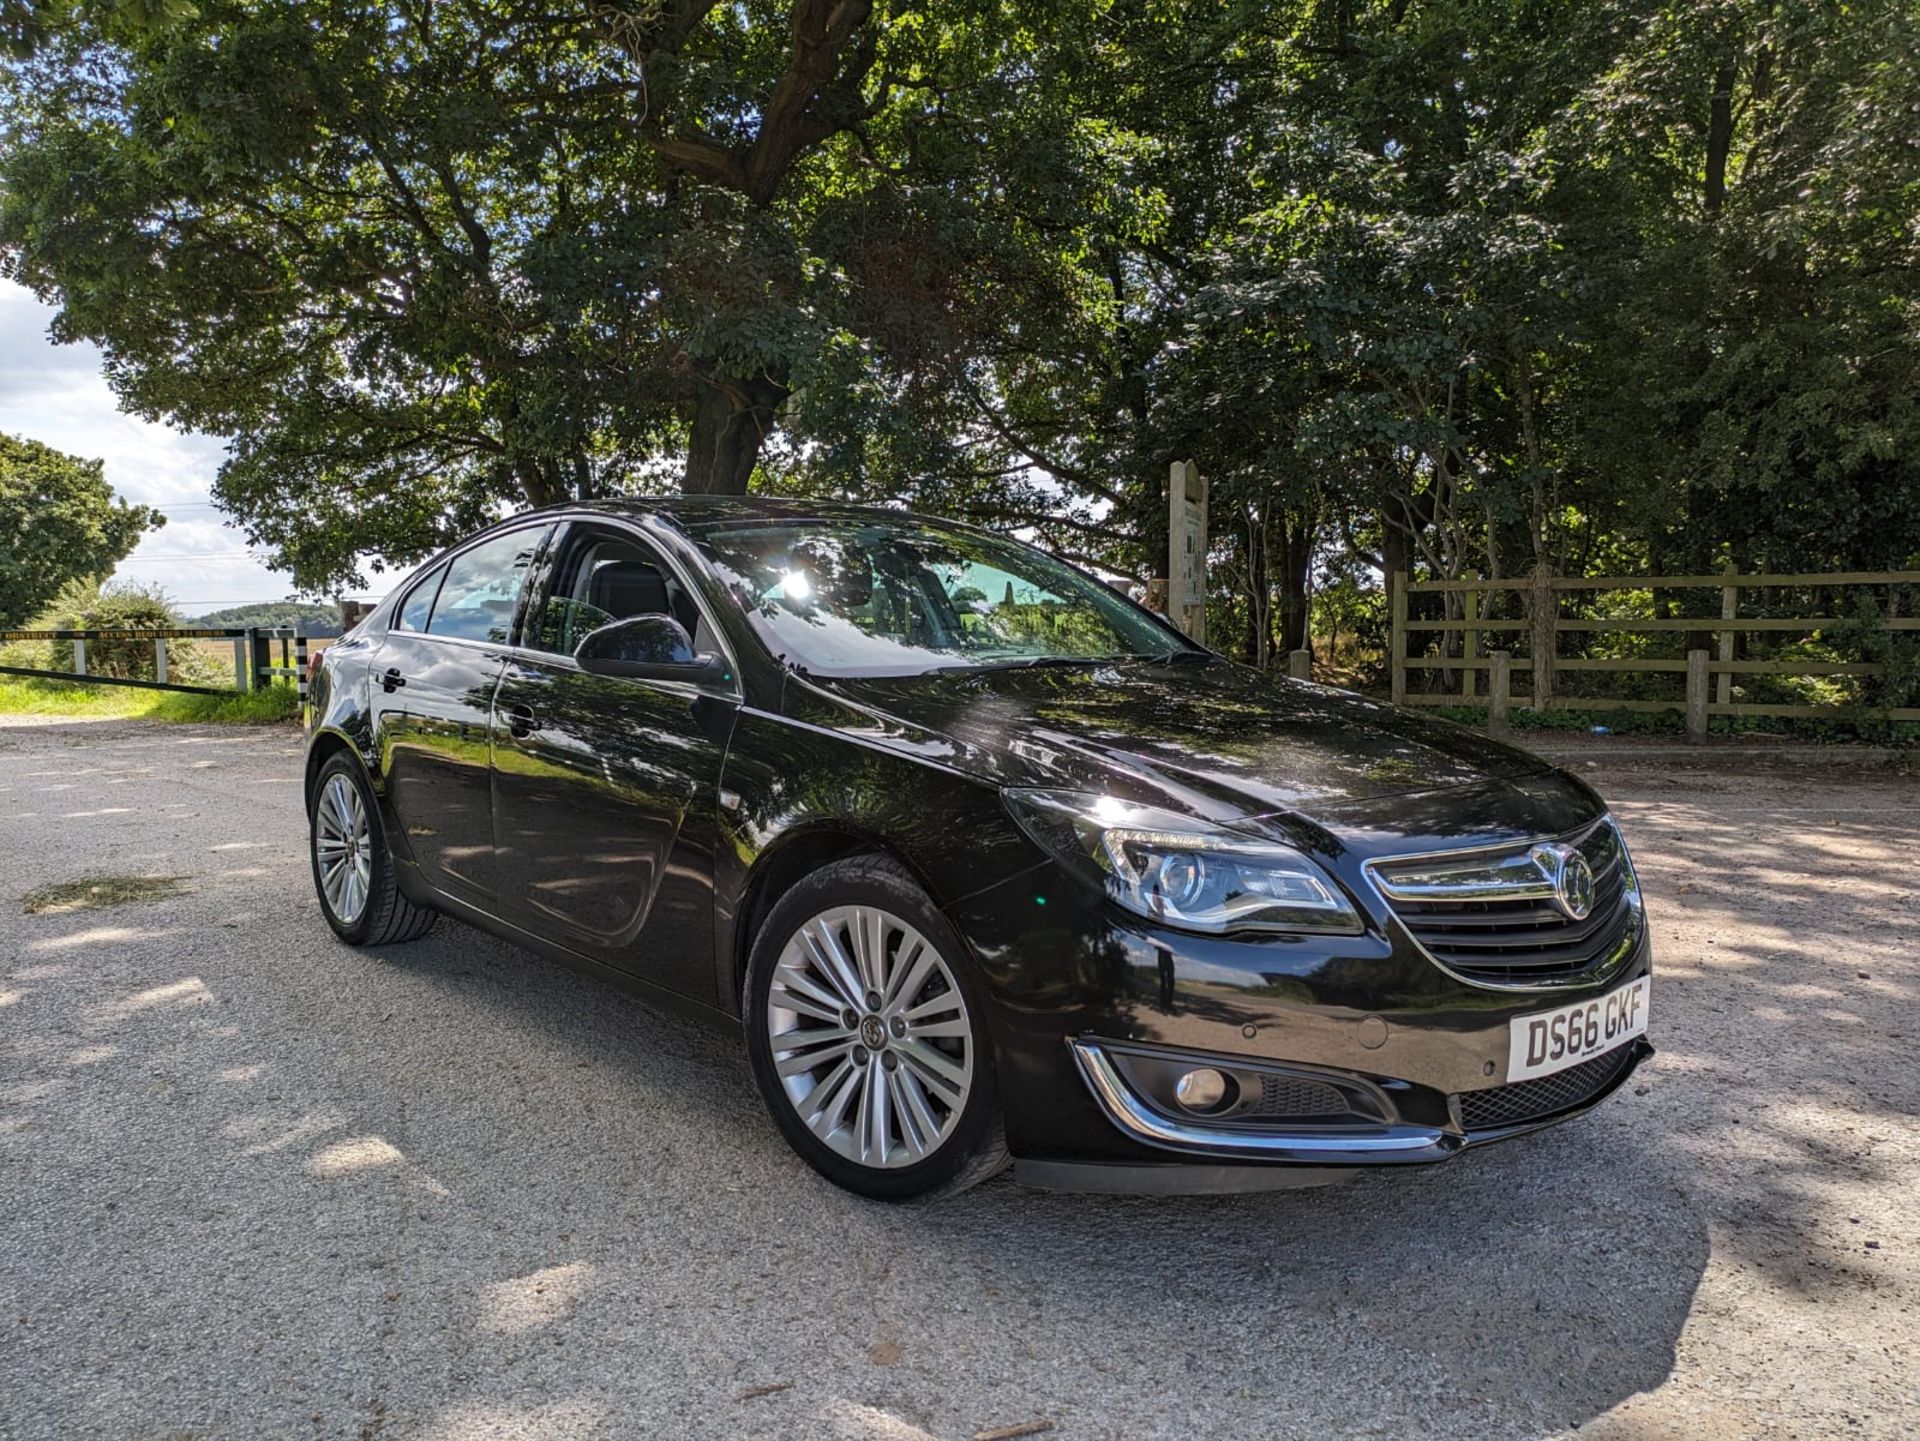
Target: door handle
{"x":392,"y":680}
{"x":521,"y":721}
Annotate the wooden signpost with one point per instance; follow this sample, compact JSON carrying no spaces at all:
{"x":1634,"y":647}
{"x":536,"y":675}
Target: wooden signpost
{"x":1187,"y":549}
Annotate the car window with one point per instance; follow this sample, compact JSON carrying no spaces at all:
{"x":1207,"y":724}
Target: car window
{"x":886,"y":597}
{"x":414,"y":610}
{"x":602,"y":576}
{"x":482,"y":588}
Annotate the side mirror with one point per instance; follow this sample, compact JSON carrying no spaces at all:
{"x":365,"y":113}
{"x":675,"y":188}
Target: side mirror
{"x":648,"y":647}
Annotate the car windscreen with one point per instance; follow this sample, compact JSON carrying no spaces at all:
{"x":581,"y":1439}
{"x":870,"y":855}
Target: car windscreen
{"x":864,"y":598}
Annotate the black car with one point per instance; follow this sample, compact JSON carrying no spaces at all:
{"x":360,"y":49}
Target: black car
{"x":984,"y":860}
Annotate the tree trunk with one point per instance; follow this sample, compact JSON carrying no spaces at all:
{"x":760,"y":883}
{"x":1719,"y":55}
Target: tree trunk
{"x":1396,"y":556}
{"x":1296,"y":560}
{"x":539,"y":487}
{"x":731,"y":422}
{"x":1259,"y":595}
{"x":1719,"y":138}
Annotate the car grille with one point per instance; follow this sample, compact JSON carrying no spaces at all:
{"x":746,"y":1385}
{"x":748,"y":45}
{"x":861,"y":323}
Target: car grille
{"x":1528,"y":942}
{"x":1530,"y":1100}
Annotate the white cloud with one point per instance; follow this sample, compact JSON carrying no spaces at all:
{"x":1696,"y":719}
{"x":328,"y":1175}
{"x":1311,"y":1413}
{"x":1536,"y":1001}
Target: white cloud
{"x":56,"y":394}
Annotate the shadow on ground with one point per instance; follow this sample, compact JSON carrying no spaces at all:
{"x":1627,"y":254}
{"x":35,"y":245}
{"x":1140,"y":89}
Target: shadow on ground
{"x":452,"y":1190}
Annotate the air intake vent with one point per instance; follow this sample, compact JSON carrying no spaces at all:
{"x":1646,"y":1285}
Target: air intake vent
{"x":1532,"y":1100}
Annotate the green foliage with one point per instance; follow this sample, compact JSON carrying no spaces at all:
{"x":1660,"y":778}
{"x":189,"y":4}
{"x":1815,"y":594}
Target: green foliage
{"x":275,"y":613}
{"x":1897,"y":652}
{"x":121,"y":605}
{"x":420,"y":264}
{"x":59,"y":522}
{"x":1613,"y":286}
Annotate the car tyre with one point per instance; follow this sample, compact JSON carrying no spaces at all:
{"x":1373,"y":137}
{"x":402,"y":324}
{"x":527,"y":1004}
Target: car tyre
{"x":352,"y":864}
{"x":920,"y":1061}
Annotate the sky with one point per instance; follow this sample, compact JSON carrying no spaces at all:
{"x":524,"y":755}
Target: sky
{"x":57,"y":395}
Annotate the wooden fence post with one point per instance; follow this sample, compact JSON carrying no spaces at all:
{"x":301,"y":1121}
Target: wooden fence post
{"x":160,"y":660}
{"x":1696,"y":696}
{"x":1470,"y":648}
{"x":80,"y":655}
{"x":1543,"y":602}
{"x":1499,"y":691}
{"x":1729,"y":609}
{"x":1397,"y":638}
{"x":1300,"y":664}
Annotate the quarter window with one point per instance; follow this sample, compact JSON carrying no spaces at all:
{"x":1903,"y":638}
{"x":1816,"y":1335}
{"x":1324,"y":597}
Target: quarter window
{"x":482,"y":588}
{"x":418,"y":605}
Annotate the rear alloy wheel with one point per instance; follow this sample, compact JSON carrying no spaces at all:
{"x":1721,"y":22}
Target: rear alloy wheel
{"x":352,"y":867}
{"x":866,"y":1036}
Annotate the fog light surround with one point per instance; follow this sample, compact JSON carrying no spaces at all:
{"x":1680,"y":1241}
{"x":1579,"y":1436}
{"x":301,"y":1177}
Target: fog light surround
{"x":1204,"y":1089}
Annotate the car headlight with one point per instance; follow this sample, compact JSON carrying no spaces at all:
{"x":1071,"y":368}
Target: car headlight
{"x":1180,"y":870}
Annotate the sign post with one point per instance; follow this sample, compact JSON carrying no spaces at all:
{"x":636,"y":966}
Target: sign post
{"x":1187,"y":549}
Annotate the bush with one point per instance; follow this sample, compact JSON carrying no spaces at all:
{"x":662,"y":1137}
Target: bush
{"x":87,"y":605}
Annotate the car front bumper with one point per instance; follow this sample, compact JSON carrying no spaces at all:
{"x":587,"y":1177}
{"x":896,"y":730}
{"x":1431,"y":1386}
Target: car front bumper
{"x":1092,"y":1012}
{"x":1202,"y":1158}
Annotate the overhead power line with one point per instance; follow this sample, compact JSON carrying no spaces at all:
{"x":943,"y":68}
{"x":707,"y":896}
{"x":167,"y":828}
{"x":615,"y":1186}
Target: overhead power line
{"x":190,"y":555}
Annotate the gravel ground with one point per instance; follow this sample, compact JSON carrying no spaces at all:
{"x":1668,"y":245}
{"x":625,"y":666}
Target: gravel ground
{"x":255,"y":1184}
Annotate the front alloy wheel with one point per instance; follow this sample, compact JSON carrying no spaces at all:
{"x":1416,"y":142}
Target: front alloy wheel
{"x":870,"y":1036}
{"x":343,"y":848}
{"x":866,"y":1037}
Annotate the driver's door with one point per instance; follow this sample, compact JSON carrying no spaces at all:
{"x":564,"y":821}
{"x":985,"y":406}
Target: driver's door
{"x":604,"y":788}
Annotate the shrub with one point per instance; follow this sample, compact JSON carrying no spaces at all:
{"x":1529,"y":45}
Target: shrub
{"x":87,"y":605}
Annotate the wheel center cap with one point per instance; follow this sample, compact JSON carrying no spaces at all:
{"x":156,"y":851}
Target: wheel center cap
{"x":873,"y":1033}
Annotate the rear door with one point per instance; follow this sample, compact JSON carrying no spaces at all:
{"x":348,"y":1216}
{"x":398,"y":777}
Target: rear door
{"x":604,"y":789}
{"x":432,"y":685}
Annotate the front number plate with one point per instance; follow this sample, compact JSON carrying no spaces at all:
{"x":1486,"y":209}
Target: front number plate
{"x":1551,"y":1041}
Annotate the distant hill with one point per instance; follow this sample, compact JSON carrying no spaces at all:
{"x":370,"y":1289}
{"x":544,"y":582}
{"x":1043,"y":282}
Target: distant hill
{"x":311,"y":618}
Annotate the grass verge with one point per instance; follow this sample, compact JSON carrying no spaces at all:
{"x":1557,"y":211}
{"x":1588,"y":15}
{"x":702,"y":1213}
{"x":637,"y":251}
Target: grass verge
{"x":23,"y":695}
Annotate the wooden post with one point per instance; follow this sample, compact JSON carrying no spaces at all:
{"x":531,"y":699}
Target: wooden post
{"x":1300,"y":664}
{"x":1543,"y":602}
{"x":1696,"y":696}
{"x":1499,"y":691}
{"x":1187,"y":549}
{"x":1397,"y":638}
{"x":261,"y":648}
{"x":1729,"y":608}
{"x":1470,"y":649}
{"x":160,"y":659}
{"x":80,"y":655}
{"x":242,"y":655}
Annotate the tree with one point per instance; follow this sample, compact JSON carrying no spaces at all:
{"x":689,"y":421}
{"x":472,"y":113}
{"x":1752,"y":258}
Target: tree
{"x":323,"y":618}
{"x":426,"y":262}
{"x":59,"y":522}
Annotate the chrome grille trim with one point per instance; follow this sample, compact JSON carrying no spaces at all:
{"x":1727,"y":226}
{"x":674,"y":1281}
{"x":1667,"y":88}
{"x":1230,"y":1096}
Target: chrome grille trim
{"x":1515,"y":936}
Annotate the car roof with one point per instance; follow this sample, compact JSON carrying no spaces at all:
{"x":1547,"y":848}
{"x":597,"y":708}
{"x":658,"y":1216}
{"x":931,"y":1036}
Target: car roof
{"x":696,"y":513}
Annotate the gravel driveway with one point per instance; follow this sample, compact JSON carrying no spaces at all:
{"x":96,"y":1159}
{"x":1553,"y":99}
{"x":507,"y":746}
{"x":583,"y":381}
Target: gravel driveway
{"x":255,"y":1184}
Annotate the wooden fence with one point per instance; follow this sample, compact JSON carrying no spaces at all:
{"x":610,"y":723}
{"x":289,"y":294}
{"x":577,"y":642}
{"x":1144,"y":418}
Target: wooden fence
{"x":254,"y":664}
{"x":1543,"y":625}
